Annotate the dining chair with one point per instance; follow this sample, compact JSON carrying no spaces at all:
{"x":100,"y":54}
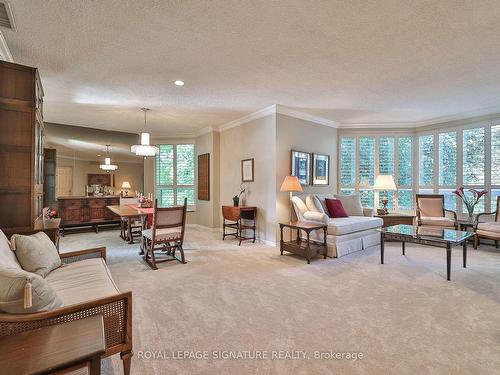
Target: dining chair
{"x":490,"y":229}
{"x":431,"y":212}
{"x":166,"y":235}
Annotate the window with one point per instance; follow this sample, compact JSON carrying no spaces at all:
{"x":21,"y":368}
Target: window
{"x":495,"y":155}
{"x":473,"y":156}
{"x":404,"y":179}
{"x":426,"y":160}
{"x":366,"y":162}
{"x":175,"y":175}
{"x":448,"y":159}
{"x":347,"y":161}
{"x":386,"y":155}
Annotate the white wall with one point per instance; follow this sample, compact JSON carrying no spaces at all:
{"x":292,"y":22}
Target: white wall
{"x":255,"y":139}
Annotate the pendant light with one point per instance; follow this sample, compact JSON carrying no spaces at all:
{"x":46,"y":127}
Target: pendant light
{"x":107,"y":166}
{"x":145,"y":148}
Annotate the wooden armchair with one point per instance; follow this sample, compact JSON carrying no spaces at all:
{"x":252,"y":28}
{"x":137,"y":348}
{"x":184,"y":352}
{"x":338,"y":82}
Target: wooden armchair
{"x":431,"y":212}
{"x":489,"y":230}
{"x":166,"y":234}
{"x":116,"y":311}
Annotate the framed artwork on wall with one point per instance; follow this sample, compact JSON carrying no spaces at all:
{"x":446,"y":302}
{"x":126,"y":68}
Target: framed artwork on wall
{"x":301,"y":166}
{"x":247,"y":170}
{"x":321,"y":169}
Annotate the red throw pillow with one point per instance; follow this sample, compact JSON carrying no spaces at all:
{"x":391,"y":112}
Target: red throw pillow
{"x":335,"y":208}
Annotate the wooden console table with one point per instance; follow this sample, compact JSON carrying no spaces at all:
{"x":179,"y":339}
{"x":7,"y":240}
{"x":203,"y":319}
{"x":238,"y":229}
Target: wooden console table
{"x":235,"y":216}
{"x":395,"y":219}
{"x":55,"y":349}
{"x":305,"y":248}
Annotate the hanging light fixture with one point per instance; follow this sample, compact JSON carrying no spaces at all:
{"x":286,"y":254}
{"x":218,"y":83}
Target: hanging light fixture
{"x":107,"y":166}
{"x":145,"y":148}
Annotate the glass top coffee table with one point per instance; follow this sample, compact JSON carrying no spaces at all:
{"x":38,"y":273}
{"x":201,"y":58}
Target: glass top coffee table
{"x":445,"y":238}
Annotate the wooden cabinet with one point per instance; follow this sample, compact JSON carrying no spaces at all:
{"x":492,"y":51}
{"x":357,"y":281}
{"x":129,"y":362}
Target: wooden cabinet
{"x":21,"y":147}
{"x":87,"y":211}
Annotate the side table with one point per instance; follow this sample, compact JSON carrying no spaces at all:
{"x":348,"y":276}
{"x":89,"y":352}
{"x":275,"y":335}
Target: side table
{"x":396,"y":219}
{"x":306,"y":248}
{"x":51,"y":349}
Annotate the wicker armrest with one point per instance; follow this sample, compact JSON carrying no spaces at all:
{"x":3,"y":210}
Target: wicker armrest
{"x":116,"y":311}
{"x":75,"y":256}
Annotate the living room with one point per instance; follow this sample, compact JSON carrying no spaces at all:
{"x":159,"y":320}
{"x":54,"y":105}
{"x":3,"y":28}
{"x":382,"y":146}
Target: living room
{"x":233,"y":187}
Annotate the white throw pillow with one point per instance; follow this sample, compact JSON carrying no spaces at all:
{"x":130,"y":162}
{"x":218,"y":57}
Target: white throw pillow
{"x":24,"y":292}
{"x":299,"y":206}
{"x":36,"y":253}
{"x":311,"y":205}
{"x":351,"y":204}
{"x":7,"y":256}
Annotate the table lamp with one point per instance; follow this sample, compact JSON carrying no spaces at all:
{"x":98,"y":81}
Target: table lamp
{"x":289,"y":185}
{"x":385,"y":182}
{"x":126,"y":186}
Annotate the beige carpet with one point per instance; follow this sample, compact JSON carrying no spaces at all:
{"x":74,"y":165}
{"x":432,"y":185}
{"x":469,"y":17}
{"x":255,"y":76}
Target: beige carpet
{"x":404,"y":317}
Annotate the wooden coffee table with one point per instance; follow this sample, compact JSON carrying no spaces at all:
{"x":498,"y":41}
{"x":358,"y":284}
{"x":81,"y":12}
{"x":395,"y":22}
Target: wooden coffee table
{"x":58,"y":348}
{"x":306,"y":248}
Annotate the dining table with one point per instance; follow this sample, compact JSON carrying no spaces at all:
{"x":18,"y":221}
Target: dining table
{"x":129,"y":213}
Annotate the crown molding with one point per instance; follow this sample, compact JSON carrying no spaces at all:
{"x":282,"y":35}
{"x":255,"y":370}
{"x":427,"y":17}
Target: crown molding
{"x":250,"y":117}
{"x":282,"y":110}
{"x":4,"y":49}
{"x":489,"y":112}
{"x":204,"y":131}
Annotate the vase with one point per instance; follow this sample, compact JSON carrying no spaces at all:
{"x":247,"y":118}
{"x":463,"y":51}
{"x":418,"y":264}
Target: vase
{"x":470,"y":216}
{"x":236,"y":201}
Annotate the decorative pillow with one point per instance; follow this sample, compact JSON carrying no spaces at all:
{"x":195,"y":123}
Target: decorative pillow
{"x":335,"y":208}
{"x":311,"y":205}
{"x":36,"y":253}
{"x":299,"y":206}
{"x":351,"y":204}
{"x":24,"y":292}
{"x":7,"y":256}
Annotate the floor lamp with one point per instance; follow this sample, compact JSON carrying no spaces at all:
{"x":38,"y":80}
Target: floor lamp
{"x":290,"y":185}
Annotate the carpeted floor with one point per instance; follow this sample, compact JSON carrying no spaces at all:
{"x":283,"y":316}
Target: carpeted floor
{"x":403,"y":316}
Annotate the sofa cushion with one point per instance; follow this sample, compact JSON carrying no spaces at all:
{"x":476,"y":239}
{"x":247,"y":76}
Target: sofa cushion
{"x":36,"y":253}
{"x":82,"y":281}
{"x":437,"y":221}
{"x":335,"y":208}
{"x":351,"y":204}
{"x":316,"y":217}
{"x":12,"y":292}
{"x":7,"y":257}
{"x":352,"y":224}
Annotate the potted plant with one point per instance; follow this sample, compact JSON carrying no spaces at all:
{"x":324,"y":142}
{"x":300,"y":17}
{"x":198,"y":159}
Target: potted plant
{"x":470,"y":200}
{"x":236,"y":198}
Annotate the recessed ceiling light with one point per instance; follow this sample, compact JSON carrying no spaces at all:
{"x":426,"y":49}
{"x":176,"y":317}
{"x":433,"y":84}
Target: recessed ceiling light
{"x":179,"y":83}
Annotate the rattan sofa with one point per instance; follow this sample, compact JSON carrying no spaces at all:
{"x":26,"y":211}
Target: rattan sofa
{"x":116,"y":309}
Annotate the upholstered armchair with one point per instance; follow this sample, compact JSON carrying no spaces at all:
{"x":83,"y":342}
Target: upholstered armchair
{"x":431,"y":212}
{"x":489,"y":230}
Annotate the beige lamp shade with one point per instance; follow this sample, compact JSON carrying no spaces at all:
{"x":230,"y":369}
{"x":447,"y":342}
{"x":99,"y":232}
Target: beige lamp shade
{"x":126,"y":185}
{"x":385,"y":182}
{"x":291,"y":184}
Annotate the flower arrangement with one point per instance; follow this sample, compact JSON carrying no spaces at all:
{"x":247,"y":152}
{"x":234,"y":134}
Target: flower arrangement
{"x":470,"y":201}
{"x":50,"y":213}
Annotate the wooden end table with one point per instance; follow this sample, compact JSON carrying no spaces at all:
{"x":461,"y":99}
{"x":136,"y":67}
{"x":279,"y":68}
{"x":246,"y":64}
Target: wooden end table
{"x":395,"y":219}
{"x":51,"y":349}
{"x":306,"y":248}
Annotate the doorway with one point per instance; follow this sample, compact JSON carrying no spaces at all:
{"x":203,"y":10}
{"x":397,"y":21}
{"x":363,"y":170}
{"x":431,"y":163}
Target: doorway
{"x":64,"y":181}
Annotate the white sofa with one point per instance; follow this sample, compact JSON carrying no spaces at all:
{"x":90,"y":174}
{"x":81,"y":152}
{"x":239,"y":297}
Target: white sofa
{"x":344,"y":235}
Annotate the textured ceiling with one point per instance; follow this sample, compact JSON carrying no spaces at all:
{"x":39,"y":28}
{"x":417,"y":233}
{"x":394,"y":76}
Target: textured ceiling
{"x":348,"y":61}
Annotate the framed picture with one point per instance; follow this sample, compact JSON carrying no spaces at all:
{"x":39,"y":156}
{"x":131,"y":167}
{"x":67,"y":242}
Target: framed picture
{"x":247,"y":170}
{"x":321,"y":169}
{"x":301,"y":166}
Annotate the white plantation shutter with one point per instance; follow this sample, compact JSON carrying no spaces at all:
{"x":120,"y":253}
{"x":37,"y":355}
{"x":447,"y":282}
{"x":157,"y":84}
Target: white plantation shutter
{"x":495,"y":155}
{"x":426,"y":160}
{"x":347,"y":161}
{"x":366,"y":162}
{"x":448,"y":159}
{"x":386,"y":156}
{"x":473,"y":156}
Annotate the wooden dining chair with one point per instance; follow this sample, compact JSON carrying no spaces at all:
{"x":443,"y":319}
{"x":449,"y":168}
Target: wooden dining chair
{"x":166,"y":235}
